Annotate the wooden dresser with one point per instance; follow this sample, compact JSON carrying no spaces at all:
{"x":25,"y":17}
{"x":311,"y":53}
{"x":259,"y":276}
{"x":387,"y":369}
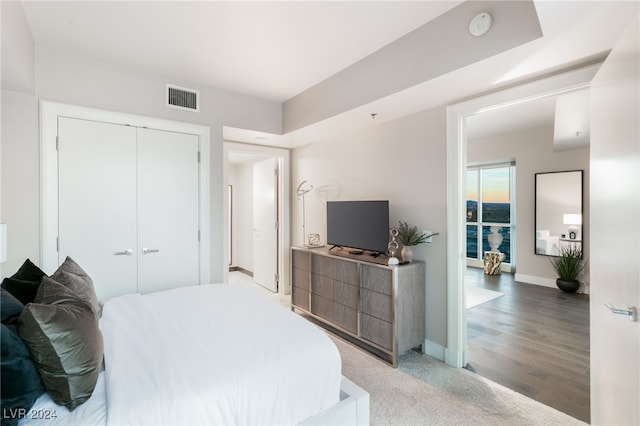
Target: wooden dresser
{"x":378,"y":307}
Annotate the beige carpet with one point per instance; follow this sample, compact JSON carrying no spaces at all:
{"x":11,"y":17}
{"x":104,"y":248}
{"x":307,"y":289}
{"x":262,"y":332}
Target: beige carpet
{"x":425,"y":391}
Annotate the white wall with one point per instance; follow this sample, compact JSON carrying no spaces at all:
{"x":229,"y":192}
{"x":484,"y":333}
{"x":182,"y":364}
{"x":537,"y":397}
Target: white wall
{"x":17,"y":49}
{"x":533,"y":152}
{"x":20,"y":179}
{"x":401,"y":161}
{"x":87,"y":82}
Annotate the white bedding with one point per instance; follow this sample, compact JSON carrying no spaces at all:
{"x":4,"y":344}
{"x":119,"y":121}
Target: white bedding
{"x":212,"y":354}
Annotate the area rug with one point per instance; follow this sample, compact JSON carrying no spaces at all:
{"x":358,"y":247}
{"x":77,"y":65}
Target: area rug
{"x":477,"y":296}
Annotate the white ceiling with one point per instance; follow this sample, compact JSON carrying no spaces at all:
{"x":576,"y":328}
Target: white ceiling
{"x":268,"y":49}
{"x":276,"y":50}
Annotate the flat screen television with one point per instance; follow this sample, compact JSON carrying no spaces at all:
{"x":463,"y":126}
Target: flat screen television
{"x":362,"y":225}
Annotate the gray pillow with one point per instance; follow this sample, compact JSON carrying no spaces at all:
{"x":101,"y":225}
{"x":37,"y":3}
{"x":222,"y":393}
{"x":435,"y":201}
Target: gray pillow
{"x":72,"y":276}
{"x":62,"y":334}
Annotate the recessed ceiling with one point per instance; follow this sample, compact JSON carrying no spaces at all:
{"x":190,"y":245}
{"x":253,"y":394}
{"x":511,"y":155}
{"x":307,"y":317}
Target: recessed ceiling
{"x":275,"y":50}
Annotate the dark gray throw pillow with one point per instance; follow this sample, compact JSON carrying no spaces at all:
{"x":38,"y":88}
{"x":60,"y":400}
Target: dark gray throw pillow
{"x":10,"y":308}
{"x":72,"y":276}
{"x":62,"y":333}
{"x":23,"y":285}
{"x":21,"y":384}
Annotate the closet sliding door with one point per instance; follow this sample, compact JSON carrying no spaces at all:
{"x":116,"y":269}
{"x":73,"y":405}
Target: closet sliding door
{"x":168,"y":219}
{"x":97,"y":199}
{"x":129,"y":205}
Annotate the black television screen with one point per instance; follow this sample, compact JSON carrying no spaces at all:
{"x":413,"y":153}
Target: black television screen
{"x":358,"y":224}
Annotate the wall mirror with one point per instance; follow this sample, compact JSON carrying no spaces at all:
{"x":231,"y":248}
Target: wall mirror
{"x":558,"y":211}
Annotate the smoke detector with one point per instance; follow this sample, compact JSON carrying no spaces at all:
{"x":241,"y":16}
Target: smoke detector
{"x":480,"y":24}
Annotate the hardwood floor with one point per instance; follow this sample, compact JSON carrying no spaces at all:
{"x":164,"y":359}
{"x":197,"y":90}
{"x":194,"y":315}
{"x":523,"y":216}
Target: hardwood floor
{"x":534,"y":340}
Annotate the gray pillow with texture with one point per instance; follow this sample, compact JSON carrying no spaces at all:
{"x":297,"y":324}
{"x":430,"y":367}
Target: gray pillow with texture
{"x":72,"y":276}
{"x":62,"y":334}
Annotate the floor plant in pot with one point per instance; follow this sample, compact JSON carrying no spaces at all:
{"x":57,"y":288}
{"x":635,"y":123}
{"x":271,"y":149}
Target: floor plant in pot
{"x":568,"y":266}
{"x":409,"y":237}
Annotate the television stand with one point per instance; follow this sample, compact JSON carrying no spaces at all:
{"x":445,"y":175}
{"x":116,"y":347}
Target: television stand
{"x":378,"y":307}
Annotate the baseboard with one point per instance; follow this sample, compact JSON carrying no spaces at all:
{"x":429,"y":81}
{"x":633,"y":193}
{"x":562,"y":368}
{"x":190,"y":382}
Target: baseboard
{"x":240,"y":269}
{"x":434,"y":350}
{"x":532,"y":279}
{"x":547,"y":282}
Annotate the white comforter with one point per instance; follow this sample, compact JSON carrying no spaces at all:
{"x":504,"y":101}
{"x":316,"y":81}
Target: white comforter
{"x":214,"y":354}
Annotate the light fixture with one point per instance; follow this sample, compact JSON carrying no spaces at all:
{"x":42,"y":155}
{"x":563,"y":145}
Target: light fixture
{"x":3,"y":242}
{"x":480,"y":24}
{"x":300,"y":193}
{"x":572,"y":219}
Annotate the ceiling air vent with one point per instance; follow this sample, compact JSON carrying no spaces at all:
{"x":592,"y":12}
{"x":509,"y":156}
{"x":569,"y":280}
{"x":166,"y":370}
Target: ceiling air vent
{"x":182,"y":98}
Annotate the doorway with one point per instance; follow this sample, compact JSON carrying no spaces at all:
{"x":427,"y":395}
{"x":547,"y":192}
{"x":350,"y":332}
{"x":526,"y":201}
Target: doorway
{"x":459,"y":117}
{"x":257,"y":214}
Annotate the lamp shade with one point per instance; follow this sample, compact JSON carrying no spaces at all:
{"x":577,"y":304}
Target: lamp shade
{"x":572,"y":219}
{"x":3,"y":242}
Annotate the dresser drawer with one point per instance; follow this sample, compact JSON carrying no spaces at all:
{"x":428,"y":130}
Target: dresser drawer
{"x":377,"y":279}
{"x":300,"y":278}
{"x":322,"y":265}
{"x":346,"y":294}
{"x":345,"y":317}
{"x":300,"y":260}
{"x":345,"y":271}
{"x":322,"y":307}
{"x":377,"y":305}
{"x":377,"y":331}
{"x":300,"y":298}
{"x":322,"y":286}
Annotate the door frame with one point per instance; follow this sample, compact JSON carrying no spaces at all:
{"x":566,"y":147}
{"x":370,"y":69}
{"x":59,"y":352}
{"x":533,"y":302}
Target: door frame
{"x":49,"y":113}
{"x":284,"y":214}
{"x":456,"y":352}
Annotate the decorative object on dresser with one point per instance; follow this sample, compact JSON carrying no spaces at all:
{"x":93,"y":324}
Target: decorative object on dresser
{"x":568,"y":266}
{"x":375,"y":306}
{"x":409,"y":237}
{"x":393,"y":247}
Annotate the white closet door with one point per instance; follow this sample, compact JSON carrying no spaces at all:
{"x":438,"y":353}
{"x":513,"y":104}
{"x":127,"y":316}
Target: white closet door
{"x":97,"y":202}
{"x":265,"y":233}
{"x":168,"y":210}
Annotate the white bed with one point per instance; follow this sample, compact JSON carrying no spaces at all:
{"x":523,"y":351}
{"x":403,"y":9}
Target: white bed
{"x":211,"y":354}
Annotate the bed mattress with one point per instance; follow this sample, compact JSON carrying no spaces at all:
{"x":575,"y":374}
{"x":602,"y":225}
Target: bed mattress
{"x":209,"y":354}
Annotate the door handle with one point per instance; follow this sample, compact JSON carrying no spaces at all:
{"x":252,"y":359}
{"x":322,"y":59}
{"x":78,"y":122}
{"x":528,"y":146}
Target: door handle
{"x":148,"y":250}
{"x":632,"y":312}
{"x":127,"y":252}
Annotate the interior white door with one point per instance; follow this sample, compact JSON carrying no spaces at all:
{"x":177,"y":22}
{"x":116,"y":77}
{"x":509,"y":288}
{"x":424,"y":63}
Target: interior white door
{"x":615,"y":230}
{"x":97,"y":202}
{"x":265,"y":216}
{"x":168,"y":210}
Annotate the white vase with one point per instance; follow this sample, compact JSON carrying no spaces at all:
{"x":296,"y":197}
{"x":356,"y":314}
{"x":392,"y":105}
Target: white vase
{"x":494,"y":238}
{"x":407,"y":254}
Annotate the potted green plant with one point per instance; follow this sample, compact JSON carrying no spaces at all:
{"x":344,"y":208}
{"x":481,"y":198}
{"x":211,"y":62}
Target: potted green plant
{"x":409,"y":237}
{"x":568,"y":266}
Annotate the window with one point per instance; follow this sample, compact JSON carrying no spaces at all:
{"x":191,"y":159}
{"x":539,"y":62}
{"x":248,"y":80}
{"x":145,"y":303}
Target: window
{"x":489,"y":209}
